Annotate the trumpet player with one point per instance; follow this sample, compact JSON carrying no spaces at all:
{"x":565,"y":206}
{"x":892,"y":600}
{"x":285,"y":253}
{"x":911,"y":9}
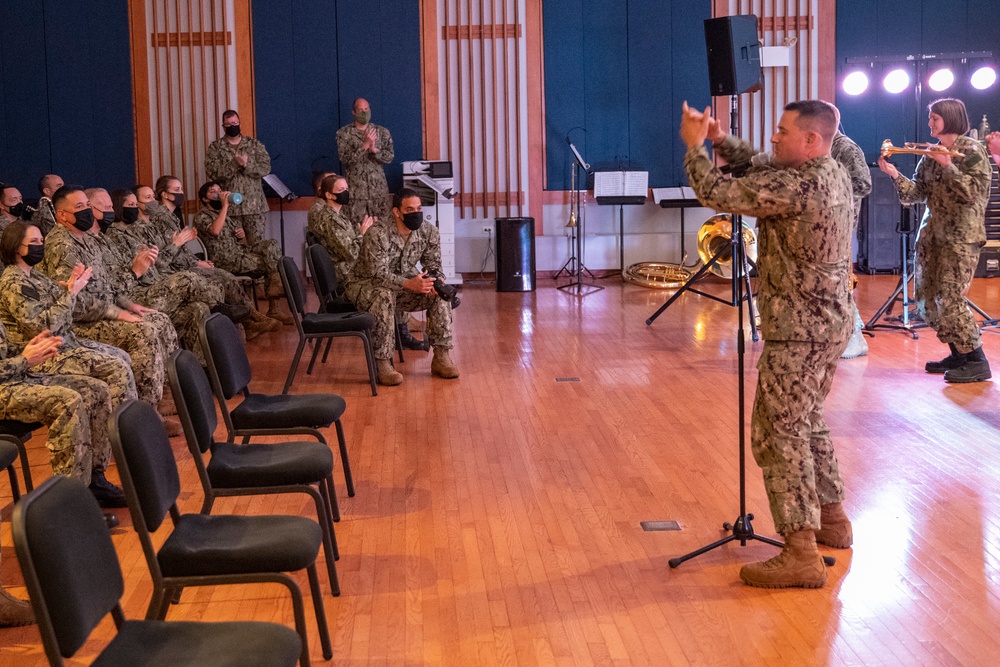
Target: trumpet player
{"x":950,"y":237}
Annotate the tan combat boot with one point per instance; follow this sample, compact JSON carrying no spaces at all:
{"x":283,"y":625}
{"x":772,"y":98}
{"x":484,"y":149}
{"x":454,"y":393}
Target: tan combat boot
{"x":275,"y":313}
{"x":256,"y":324}
{"x":442,"y":365}
{"x":166,"y":407}
{"x":798,"y":565}
{"x":14,"y":612}
{"x":274,"y":287}
{"x":387,"y":375}
{"x":172,"y":426}
{"x":836,"y":529}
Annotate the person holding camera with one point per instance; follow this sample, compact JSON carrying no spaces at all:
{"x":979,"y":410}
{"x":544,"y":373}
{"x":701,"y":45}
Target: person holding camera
{"x":386,"y":279}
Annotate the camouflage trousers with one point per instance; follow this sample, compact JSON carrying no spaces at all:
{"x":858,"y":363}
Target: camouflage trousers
{"x":261,"y":258}
{"x":384,"y":304}
{"x":377,"y":207}
{"x":253,"y":224}
{"x":790,"y":440}
{"x":186,"y":298}
{"x":107,"y":363}
{"x":942,"y":276}
{"x":75,"y":408}
{"x":149,"y":344}
{"x":232,"y":290}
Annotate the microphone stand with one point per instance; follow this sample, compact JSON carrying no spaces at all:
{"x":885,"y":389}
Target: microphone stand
{"x":578,"y":286}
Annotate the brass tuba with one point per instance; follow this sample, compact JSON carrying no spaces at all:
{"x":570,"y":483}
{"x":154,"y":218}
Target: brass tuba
{"x":716,"y":235}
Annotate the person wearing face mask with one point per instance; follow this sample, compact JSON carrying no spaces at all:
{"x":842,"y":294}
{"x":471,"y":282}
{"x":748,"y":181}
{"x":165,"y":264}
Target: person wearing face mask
{"x":385,"y":280}
{"x":238,"y":163}
{"x":109,"y":315}
{"x":45,"y":216}
{"x":230,"y":250}
{"x":364,"y":148}
{"x":12,"y":207}
{"x":33,"y":308}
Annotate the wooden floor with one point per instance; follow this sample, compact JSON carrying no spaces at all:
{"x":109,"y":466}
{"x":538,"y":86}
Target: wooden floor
{"x":497,"y":516}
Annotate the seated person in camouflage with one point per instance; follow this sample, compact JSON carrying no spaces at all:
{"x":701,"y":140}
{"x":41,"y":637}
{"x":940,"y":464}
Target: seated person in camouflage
{"x":239,"y":163}
{"x":227,"y":244}
{"x":45,"y":216}
{"x":11,"y":205}
{"x":386,"y":279}
{"x":109,"y":315}
{"x":317,"y":183}
{"x":75,"y":408}
{"x":334,"y":230}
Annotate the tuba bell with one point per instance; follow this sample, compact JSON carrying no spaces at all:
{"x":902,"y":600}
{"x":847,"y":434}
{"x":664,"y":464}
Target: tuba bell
{"x":716,"y":235}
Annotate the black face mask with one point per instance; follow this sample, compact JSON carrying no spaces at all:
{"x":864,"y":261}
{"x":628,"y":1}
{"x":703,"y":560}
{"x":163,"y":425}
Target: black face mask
{"x":84,"y":220}
{"x":178,"y":199}
{"x":17,"y":210}
{"x":342,"y":198}
{"x":216,"y":204}
{"x":36,"y":252}
{"x":413,"y":220}
{"x":105,"y":223}
{"x":232,"y":131}
{"x":130,"y":214}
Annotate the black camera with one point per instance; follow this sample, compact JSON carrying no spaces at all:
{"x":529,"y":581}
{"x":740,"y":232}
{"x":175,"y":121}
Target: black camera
{"x":444,"y":290}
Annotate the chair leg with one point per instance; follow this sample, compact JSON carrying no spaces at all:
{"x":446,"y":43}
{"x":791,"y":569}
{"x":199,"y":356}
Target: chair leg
{"x":326,"y":528}
{"x":326,"y":519}
{"x":295,"y":365}
{"x":25,"y":467}
{"x":334,"y":505}
{"x":344,"y":461}
{"x":324,"y":629}
{"x":326,"y":352}
{"x":15,"y":489}
{"x":399,"y":344}
{"x":299,"y":611}
{"x":370,"y":358}
{"x":312,"y":360}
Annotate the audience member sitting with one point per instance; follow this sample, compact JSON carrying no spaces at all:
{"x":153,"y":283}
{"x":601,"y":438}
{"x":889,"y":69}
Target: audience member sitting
{"x":45,"y":217}
{"x":11,"y":205}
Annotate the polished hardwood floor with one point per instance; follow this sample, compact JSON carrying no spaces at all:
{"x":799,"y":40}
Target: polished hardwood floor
{"x":497,"y":517}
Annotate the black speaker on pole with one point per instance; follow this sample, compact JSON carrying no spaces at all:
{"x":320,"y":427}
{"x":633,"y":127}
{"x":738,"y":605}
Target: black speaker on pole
{"x":733,"y":54}
{"x":515,"y":254}
{"x":879,"y":247}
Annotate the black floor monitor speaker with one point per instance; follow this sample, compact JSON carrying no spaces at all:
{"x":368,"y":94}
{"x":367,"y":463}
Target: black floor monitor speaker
{"x":515,"y":254}
{"x":879,"y":245}
{"x":733,"y":54}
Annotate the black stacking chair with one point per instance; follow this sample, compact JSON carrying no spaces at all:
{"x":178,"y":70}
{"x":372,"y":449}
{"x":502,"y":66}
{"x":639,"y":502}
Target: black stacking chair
{"x":264,"y":414}
{"x":18,"y":433}
{"x":208,"y":549}
{"x":245,"y":470}
{"x":327,"y":286}
{"x":8,"y":455}
{"x":74,"y":580}
{"x":320,"y":326}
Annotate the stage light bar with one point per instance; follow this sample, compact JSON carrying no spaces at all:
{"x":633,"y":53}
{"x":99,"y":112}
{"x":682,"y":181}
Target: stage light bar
{"x":941,"y":80}
{"x":896,"y":81}
{"x":855,"y":83}
{"x":983,"y":78}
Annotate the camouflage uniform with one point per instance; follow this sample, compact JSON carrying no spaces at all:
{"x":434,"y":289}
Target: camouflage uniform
{"x":31,"y":303}
{"x":75,"y":408}
{"x":234,"y":255}
{"x":335,"y":232}
{"x":364,"y":172}
{"x":385,"y":261}
{"x":44,"y":216}
{"x":149,"y":343}
{"x":951,"y":234}
{"x":850,"y":156}
{"x":221,"y":166}
{"x":804,"y":223}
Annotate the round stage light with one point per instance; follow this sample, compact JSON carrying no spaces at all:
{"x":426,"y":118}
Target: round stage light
{"x":941,"y":80}
{"x":983,"y":78}
{"x":856,"y":83}
{"x":896,"y":81}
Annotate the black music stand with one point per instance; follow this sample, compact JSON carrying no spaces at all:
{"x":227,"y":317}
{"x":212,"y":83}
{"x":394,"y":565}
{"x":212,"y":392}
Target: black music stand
{"x":283,"y":194}
{"x":577,"y":285}
{"x":627,"y":194}
{"x":681,"y":198}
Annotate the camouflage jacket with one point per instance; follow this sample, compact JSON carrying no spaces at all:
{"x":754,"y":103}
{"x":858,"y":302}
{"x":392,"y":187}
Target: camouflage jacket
{"x":30,"y":304}
{"x":45,"y":216}
{"x":225,"y":244}
{"x":336,"y":233}
{"x":63,"y":251}
{"x":127,"y":244}
{"x":387,"y":259}
{"x":221,"y":166}
{"x":852,"y":159}
{"x":363,"y":169}
{"x":162,"y":226}
{"x":13,"y":367}
{"x":956,"y":195}
{"x":804,"y":226}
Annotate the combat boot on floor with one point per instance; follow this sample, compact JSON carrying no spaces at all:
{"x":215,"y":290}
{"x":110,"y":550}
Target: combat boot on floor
{"x":256,"y":324}
{"x":14,"y":612}
{"x":857,"y":346}
{"x":836,"y":528}
{"x":107,"y":494}
{"x":275,"y":313}
{"x":408,"y":342}
{"x":387,"y":375}
{"x":442,"y":365}
{"x":953,"y":360}
{"x":166,"y":407}
{"x":275,"y":290}
{"x":172,"y":425}
{"x":798,"y":565}
{"x":975,"y":368}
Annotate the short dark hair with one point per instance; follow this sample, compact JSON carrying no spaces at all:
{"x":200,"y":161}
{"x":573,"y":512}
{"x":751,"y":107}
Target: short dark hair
{"x":11,"y":241}
{"x":229,"y":113}
{"x":404,"y":193}
{"x":328,"y":183}
{"x":953,"y":113}
{"x":818,"y":117}
{"x":162,"y":183}
{"x":203,"y":190}
{"x":118,"y":197}
{"x":62,"y":193}
{"x":4,"y":187}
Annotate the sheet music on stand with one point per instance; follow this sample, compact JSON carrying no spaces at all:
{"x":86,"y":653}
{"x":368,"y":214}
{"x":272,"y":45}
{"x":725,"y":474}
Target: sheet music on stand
{"x":682,"y":197}
{"x":621,"y":187}
{"x":279,"y":188}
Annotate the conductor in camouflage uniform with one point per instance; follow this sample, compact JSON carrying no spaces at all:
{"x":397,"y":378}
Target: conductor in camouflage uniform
{"x":386,"y":278}
{"x":364,"y":148}
{"x":238,"y":163}
{"x":803,"y":205}
{"x":953,"y":231}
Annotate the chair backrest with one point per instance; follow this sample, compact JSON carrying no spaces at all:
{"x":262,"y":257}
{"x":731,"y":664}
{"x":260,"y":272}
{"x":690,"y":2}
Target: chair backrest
{"x":197,"y":248}
{"x":292,"y":280}
{"x":146,"y":464}
{"x":69,"y":563}
{"x":324,"y":273}
{"x":225,"y":354}
{"x":194,"y":398}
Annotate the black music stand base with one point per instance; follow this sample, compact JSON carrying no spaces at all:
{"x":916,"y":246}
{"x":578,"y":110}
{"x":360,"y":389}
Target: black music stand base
{"x":742,"y":530}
